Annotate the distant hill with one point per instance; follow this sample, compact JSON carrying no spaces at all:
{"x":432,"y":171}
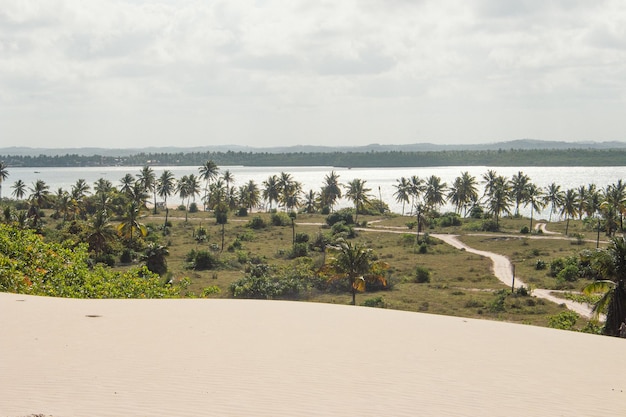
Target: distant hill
{"x":521,"y":144}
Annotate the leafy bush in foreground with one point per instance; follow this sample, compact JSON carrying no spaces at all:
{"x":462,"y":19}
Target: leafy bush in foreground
{"x":28,"y":265}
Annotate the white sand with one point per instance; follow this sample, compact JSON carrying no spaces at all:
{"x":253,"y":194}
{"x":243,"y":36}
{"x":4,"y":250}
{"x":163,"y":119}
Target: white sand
{"x":261,"y":358}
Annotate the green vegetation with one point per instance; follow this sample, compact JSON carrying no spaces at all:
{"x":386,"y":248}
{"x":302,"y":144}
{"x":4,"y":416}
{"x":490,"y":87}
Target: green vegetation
{"x":106,"y":241}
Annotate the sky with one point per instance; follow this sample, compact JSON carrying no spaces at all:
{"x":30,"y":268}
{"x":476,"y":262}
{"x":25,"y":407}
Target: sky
{"x":133,"y":73}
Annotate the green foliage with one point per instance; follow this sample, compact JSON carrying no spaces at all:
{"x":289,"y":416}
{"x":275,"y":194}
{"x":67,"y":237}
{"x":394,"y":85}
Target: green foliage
{"x":569,"y":273}
{"x":280,"y":219}
{"x":489,"y":226}
{"x":193,"y":207}
{"x":201,"y":260}
{"x":208,"y":291}
{"x":525,"y":230}
{"x":449,"y":219}
{"x":378,"y":302}
{"x":242,"y":212}
{"x":201,"y":234}
{"x":299,"y":250}
{"x":343,"y":215}
{"x":264,"y":282}
{"x":31,"y":266}
{"x":498,"y":304}
{"x":257,"y":223}
{"x":565,"y":320}
{"x":302,"y":238}
{"x":422,"y":274}
{"x":540,"y":265}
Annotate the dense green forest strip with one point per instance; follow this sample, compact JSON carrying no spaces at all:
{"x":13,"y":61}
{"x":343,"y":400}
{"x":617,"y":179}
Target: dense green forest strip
{"x":502,"y":157}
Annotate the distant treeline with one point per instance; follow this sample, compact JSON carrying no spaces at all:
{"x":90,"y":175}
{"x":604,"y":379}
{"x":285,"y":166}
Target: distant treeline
{"x":502,"y":157}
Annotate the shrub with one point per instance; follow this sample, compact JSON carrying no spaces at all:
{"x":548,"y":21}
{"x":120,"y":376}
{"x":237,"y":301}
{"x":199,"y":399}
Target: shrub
{"x":201,"y":260}
{"x":127,"y":256}
{"x":280,"y":219}
{"x":565,"y":320}
{"x":181,"y":207}
{"x":193,"y":207}
{"x":213,"y":289}
{"x":378,"y":302}
{"x":449,"y":219}
{"x":540,"y":265}
{"x":476,"y":212}
{"x":257,"y":223}
{"x":343,"y":215}
{"x":302,"y":238}
{"x":569,"y":273}
{"x":299,"y":250}
{"x":498,"y":305}
{"x":489,"y":226}
{"x":525,"y":230}
{"x":422,"y":274}
{"x":201,"y":234}
{"x":423,"y":248}
{"x":242,"y":212}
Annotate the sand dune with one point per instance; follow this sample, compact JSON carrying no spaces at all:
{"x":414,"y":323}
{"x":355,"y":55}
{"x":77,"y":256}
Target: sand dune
{"x":63,"y":358}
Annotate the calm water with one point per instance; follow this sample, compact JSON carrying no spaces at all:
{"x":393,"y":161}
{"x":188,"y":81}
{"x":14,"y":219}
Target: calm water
{"x":381,"y":181}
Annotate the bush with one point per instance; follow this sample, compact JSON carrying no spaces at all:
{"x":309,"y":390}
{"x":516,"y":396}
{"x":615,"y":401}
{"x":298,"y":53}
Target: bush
{"x":343,"y":215}
{"x":257,"y":223}
{"x":449,"y":219}
{"x":213,"y":289}
{"x":476,"y":212}
{"x":201,"y":235}
{"x":242,"y":212}
{"x":299,"y":250}
{"x":181,"y":207}
{"x":201,"y":260}
{"x":569,"y":273}
{"x":127,"y":256}
{"x":565,"y":320}
{"x":280,"y":219}
{"x":489,"y":226}
{"x":193,"y":207}
{"x":423,"y":248}
{"x":525,"y":230}
{"x":422,"y":275}
{"x":498,"y":305}
{"x":378,"y":302}
{"x":540,"y":265}
{"x":302,"y":238}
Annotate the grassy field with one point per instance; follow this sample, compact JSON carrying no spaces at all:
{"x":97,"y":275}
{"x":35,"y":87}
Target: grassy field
{"x":461,"y":284}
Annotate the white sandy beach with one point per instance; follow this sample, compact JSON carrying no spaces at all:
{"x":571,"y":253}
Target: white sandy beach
{"x":64,"y":357}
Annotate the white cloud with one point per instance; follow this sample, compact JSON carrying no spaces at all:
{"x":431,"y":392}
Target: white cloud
{"x":334,"y":72}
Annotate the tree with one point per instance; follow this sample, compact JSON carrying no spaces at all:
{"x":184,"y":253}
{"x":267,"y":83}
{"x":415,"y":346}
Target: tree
{"x":310,"y":201}
{"x":489,"y":179}
{"x":271,"y":191}
{"x":130,"y":226}
{"x":127,"y":182}
{"x":19,"y":189}
{"x":166,"y":186}
{"x":228,"y":177}
{"x":519,"y":184}
{"x":221,"y":217}
{"x":358,"y":194}
{"x":355,"y":263}
{"x":250,"y":195}
{"x":463,"y":192}
{"x":100,"y":234}
{"x":403,"y":191}
{"x":147,"y":179}
{"x":415,"y":190}
{"x":154,"y":257}
{"x":568,"y":207}
{"x":188,"y":188}
{"x":554,"y":197}
{"x":4,"y":174}
{"x":434,"y":192}
{"x":331,"y":190}
{"x":499,"y":198}
{"x":78,"y":194}
{"x":613,"y":269}
{"x":533,"y":197}
{"x":208,"y":172}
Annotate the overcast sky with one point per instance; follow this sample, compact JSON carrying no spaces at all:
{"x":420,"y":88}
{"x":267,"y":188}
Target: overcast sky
{"x":130,"y":73}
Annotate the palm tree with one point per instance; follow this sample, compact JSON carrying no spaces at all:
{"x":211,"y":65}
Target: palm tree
{"x":616,"y":197}
{"x":533,"y":197}
{"x":519,"y":183}
{"x":358,"y":194}
{"x":221,"y":217}
{"x":154,"y":257}
{"x":415,"y":190}
{"x":39,"y":194}
{"x":228,"y":177}
{"x":553,"y":196}
{"x":19,"y":189}
{"x":208,"y":172}
{"x":102,"y":186}
{"x":249,"y":195}
{"x":63,"y":203}
{"x":499,"y":198}
{"x":130,"y":226}
{"x":310,"y":201}
{"x":290,"y":197}
{"x":271,"y":191}
{"x":613,"y":270}
{"x":182,"y":188}
{"x":568,"y":207}
{"x":147,"y":179}
{"x":4,"y":174}
{"x":402,"y":192}
{"x":581,"y":201}
{"x":217,"y":194}
{"x":78,"y":194}
{"x":100,"y":234}
{"x":166,"y":186}
{"x":434,"y":192}
{"x":489,"y":179}
{"x":127,"y":182}
{"x":355,"y":263}
{"x":331,"y":190}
